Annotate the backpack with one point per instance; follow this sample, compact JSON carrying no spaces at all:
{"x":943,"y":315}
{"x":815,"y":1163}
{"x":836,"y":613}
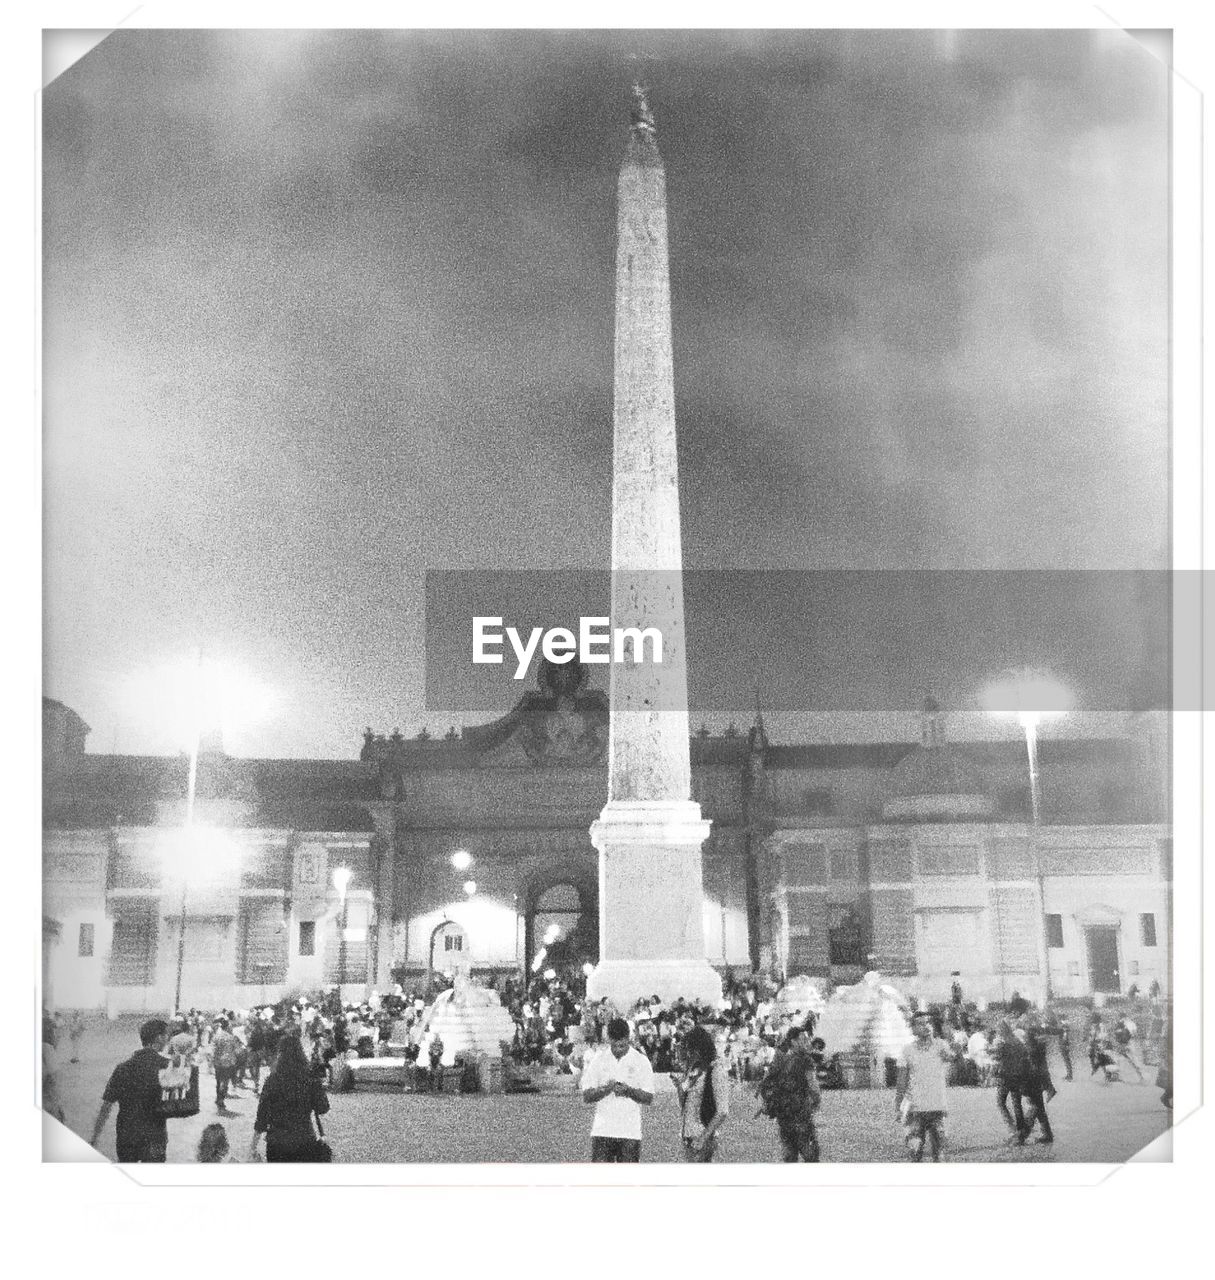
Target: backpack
{"x":784,"y":1092}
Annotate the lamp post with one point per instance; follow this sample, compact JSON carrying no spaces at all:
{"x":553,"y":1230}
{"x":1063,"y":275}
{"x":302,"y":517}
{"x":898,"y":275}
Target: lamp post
{"x":1030,"y":697}
{"x":342,"y":877}
{"x":191,"y":789}
{"x":184,"y":700}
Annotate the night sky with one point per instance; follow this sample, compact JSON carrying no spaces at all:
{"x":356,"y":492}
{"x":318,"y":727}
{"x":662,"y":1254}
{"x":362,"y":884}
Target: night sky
{"x":324,"y":311}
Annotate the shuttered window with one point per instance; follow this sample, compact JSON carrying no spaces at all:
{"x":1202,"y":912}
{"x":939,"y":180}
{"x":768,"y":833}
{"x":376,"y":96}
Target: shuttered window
{"x":261,"y":956}
{"x":133,"y":949}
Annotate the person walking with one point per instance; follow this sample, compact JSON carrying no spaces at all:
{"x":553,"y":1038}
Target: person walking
{"x":791,"y":1095}
{"x":1011,"y":1063}
{"x":1058,"y":1027}
{"x":76,"y":1030}
{"x":224,"y":1047}
{"x":618,"y":1081}
{"x":134,"y":1088}
{"x":257,"y":1043}
{"x":704,"y":1097}
{"x":1164,"y":1072}
{"x":1124,"y":1032}
{"x":289,"y":1099}
{"x":1038,"y":1089}
{"x":181,"y":1042}
{"x":922,"y":1073}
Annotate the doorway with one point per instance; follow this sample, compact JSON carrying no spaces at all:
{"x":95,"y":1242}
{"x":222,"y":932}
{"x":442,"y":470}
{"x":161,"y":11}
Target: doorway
{"x":1103,"y":972}
{"x":449,"y":951}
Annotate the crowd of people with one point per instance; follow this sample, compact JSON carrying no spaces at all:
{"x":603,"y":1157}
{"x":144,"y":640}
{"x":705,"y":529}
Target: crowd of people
{"x":288,"y":1054}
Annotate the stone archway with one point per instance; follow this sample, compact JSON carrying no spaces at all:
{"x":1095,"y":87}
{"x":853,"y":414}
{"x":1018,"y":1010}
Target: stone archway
{"x":561,"y":917}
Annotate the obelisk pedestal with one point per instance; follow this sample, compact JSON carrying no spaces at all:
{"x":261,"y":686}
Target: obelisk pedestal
{"x":649,"y":835}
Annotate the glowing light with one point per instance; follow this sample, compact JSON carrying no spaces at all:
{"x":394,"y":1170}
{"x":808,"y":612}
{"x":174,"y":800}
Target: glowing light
{"x":551,"y":934}
{"x":198,"y":855}
{"x":470,"y":887}
{"x":461,"y":859}
{"x":1029,"y":695}
{"x":342,"y":877}
{"x":549,"y":974}
{"x":183,"y":700}
{"x":539,"y":960}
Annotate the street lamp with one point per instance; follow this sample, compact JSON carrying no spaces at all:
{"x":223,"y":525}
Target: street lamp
{"x":183,"y":701}
{"x":342,"y":877}
{"x":470,"y":887}
{"x":191,"y":790}
{"x":1030,"y":697}
{"x":461,"y":859}
{"x":197,"y":853}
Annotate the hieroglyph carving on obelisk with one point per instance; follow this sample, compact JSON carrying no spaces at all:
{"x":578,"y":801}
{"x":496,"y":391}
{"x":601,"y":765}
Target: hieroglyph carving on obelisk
{"x":649,"y":835}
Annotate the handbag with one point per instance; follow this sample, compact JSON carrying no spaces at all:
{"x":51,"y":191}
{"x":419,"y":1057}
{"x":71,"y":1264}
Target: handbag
{"x":178,"y":1092}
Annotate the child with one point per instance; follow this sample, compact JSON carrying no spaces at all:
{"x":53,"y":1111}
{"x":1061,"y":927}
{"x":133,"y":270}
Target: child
{"x":213,"y":1146}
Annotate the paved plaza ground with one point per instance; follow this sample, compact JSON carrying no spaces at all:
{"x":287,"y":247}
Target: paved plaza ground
{"x":1093,"y":1121}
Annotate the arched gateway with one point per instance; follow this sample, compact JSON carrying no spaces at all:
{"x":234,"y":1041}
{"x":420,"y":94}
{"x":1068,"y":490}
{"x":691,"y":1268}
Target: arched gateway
{"x":561,"y":920}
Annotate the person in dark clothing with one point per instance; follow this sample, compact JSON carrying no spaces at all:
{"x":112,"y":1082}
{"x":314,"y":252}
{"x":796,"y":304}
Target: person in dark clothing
{"x":1038,"y":1088}
{"x":1011,"y":1063}
{"x":134,"y":1087}
{"x":1018,"y":1006}
{"x":1164,"y":1072}
{"x":291,"y":1096}
{"x":791,"y":1095}
{"x":1122,"y":1035}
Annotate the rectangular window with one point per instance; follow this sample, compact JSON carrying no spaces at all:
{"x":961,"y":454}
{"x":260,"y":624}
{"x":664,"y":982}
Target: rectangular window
{"x":453,"y":942}
{"x":307,"y":937}
{"x":844,"y":935}
{"x":1054,"y":931}
{"x":1147,"y":929}
{"x":85,"y":945}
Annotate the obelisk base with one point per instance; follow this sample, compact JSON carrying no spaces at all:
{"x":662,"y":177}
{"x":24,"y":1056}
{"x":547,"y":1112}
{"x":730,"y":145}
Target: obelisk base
{"x":651,"y":896}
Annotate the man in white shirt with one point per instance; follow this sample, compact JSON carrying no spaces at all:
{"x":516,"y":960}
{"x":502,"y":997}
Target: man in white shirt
{"x":923,"y":1069}
{"x":619,"y":1081}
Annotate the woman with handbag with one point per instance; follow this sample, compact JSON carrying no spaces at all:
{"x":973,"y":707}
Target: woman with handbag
{"x":291,"y":1096}
{"x":704,"y":1096}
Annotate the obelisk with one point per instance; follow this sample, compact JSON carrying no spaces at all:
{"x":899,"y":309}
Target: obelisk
{"x":649,"y":835}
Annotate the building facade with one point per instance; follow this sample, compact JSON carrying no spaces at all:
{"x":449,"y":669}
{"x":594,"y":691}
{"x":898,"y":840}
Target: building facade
{"x":921,"y":860}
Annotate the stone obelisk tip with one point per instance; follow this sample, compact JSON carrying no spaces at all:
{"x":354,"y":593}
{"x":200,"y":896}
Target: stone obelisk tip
{"x":643,"y":117}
